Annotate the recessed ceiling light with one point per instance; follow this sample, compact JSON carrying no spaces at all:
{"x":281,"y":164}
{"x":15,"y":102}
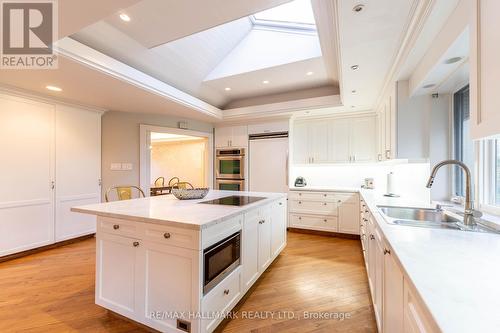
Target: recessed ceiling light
{"x":452,"y":60}
{"x":265,"y":81}
{"x":227,"y":89}
{"x":354,"y":67}
{"x":125,"y":17}
{"x":358,"y":8}
{"x":53,"y":88}
{"x":309,"y":73}
{"x":427,"y":86}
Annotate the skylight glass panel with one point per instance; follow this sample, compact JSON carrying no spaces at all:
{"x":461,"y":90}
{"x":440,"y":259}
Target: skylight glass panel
{"x":294,"y":14}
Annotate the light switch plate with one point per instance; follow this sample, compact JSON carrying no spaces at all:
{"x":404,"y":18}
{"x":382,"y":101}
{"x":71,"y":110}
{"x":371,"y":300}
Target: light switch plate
{"x":126,"y":166}
{"x":116,"y":166}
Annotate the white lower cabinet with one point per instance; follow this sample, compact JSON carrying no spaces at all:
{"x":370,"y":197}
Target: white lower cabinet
{"x":396,"y":305}
{"x":325,"y":211}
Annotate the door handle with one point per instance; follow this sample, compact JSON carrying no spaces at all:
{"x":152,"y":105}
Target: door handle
{"x":135,"y":244}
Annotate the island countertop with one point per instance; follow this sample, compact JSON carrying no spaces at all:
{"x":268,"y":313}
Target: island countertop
{"x":168,"y":210}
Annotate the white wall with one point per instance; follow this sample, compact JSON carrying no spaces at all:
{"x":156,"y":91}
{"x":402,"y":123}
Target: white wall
{"x":410,"y":178}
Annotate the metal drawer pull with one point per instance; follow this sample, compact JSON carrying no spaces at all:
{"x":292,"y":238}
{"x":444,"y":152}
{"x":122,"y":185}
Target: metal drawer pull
{"x":324,"y":203}
{"x":300,"y":218}
{"x":263,"y":221}
{"x":280,"y":203}
{"x":136,"y":244}
{"x":386,"y":251}
{"x":226,"y":292}
{"x":116,"y":226}
{"x":325,"y":220}
{"x":324,"y":195}
{"x":372,"y":237}
{"x":166,"y":235}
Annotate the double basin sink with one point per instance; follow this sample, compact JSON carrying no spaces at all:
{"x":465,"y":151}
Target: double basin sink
{"x":432,"y":218}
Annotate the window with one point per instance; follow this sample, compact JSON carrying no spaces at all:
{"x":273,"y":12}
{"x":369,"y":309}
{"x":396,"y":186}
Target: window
{"x":296,"y":15}
{"x":463,"y":144}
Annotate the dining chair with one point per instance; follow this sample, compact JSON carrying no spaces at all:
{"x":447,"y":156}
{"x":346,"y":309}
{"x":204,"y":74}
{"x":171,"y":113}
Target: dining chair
{"x":124,"y":192}
{"x":173,"y":181}
{"x":183,"y":185}
{"x":160,"y":181}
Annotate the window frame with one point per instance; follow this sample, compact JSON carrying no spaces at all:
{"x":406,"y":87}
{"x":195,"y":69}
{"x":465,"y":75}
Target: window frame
{"x":486,"y":160}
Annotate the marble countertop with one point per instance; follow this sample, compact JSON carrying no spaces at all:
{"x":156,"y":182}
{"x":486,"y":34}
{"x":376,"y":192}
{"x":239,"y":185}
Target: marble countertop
{"x":166,"y":209}
{"x":456,"y":273}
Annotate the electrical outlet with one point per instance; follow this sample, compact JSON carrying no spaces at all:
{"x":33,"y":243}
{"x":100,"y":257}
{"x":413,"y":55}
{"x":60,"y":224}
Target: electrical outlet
{"x":127,"y":166}
{"x":115,"y":166}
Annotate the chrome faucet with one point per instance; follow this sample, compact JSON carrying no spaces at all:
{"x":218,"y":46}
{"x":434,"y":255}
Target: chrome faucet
{"x":469,"y":211}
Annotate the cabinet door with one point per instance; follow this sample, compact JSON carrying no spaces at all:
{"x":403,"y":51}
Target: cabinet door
{"x":300,"y":143}
{"x":278,"y":227}
{"x":250,"y":249}
{"x":223,"y":136}
{"x":239,"y":137}
{"x":78,"y":170}
{"x":264,"y":240}
{"x":393,"y":295}
{"x":170,"y":276}
{"x":416,"y":317}
{"x":381,"y":135}
{"x":362,"y":139}
{"x":116,"y":273}
{"x":339,"y":150}
{"x":379,"y":278}
{"x":27,"y":169}
{"x":319,"y":141}
{"x":485,"y":69}
{"x":348,"y":214}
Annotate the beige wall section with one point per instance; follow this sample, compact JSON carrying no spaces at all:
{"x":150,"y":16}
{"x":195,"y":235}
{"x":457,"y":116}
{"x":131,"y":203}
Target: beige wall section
{"x":120,"y":142}
{"x":184,"y":159}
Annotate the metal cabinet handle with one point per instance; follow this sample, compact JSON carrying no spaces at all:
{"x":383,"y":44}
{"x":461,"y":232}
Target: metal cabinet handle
{"x":325,"y":220}
{"x":372,"y":237}
{"x":324,"y":203}
{"x":339,"y":201}
{"x":324,"y":195}
{"x":262,"y":221}
{"x":167,"y":235}
{"x":366,"y":220}
{"x":300,"y":218}
{"x":300,"y":202}
{"x":386,"y":251}
{"x":116,"y":226}
{"x":226,"y":292}
{"x":136,"y":244}
{"x":300,"y":194}
{"x":280,"y":203}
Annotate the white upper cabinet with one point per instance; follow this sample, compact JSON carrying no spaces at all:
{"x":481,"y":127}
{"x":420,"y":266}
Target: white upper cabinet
{"x":338,"y":140}
{"x":234,"y":136}
{"x":485,"y":69}
{"x":386,"y":127}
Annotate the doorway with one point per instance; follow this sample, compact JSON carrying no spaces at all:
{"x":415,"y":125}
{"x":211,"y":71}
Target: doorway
{"x":176,"y":155}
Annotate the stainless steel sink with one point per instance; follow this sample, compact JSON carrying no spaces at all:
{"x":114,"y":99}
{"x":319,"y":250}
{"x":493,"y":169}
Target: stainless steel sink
{"x":432,"y":218}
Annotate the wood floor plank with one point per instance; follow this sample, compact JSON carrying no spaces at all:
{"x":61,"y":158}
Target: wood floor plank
{"x":53,"y":291}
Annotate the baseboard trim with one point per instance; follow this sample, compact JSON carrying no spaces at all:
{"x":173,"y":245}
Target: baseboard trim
{"x":44,"y":248}
{"x":323,"y":233}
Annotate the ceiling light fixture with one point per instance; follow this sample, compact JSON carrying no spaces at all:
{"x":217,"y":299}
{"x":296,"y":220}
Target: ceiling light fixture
{"x":452,"y":60}
{"x":358,"y":8}
{"x":125,"y":17}
{"x":265,"y":82}
{"x":354,"y":67}
{"x":309,"y":73}
{"x":227,"y":89}
{"x":427,"y":86}
{"x":53,"y":88}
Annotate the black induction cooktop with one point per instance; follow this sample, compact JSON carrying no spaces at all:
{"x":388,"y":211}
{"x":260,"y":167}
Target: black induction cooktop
{"x":233,"y":200}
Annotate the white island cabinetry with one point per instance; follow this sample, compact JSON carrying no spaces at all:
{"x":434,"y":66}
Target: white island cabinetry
{"x":149,"y":269}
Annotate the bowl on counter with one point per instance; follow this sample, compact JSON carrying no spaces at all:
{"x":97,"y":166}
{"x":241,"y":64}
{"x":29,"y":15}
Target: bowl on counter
{"x":189,"y":194}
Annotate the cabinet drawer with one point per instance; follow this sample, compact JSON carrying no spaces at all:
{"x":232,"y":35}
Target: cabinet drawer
{"x":314,"y":207}
{"x":316,"y":222}
{"x":117,"y":227}
{"x":221,"y":299}
{"x":313,"y":196}
{"x":180,"y":237}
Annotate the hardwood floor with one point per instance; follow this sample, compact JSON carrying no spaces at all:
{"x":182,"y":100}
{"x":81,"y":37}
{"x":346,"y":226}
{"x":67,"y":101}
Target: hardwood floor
{"x":53,"y":291}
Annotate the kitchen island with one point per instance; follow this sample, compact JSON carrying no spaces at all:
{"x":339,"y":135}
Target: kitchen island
{"x":181,"y":266}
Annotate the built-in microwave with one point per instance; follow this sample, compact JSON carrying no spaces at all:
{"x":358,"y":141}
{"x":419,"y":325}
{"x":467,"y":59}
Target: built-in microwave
{"x":230,"y":184}
{"x":220,"y":259}
{"x":230,"y":163}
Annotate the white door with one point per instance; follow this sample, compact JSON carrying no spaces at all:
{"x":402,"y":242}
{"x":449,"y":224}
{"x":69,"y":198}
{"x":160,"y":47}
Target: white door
{"x":268,"y":160}
{"x":319,"y":141}
{"x":27,"y":170}
{"x":239,"y":136}
{"x":117,"y":273}
{"x":393,"y":296}
{"x":300,"y":143}
{"x":338,"y":150}
{"x":250,"y":249}
{"x":169,"y":275}
{"x":264,"y":240}
{"x":78,"y":169}
{"x":362,"y":139}
{"x":348,"y":206}
{"x":278,"y":226}
{"x":223,"y":136}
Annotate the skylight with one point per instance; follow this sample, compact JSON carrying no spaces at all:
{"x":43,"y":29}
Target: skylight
{"x":297,"y":14}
